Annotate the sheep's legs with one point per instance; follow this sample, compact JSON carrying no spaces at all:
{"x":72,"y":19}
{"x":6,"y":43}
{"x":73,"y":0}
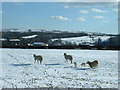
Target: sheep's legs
{"x":71,"y":61}
{"x":40,"y":62}
{"x":66,"y":60}
{"x":35,"y":61}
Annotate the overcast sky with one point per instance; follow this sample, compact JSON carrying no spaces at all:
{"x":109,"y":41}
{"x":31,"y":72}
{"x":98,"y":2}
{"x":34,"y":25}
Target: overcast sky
{"x":72,"y":16}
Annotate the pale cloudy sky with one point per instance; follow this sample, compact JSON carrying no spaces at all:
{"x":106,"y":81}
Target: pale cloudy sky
{"x":67,"y":15}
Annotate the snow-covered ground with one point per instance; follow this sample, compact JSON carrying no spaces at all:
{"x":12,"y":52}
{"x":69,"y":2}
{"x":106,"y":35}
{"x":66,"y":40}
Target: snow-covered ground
{"x":19,"y":69}
{"x":83,"y":39}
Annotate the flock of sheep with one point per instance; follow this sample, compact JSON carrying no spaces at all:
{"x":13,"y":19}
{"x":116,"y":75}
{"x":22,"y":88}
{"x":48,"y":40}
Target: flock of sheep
{"x":94,"y":64}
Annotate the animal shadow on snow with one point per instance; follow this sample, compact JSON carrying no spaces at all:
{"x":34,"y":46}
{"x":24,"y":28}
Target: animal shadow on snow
{"x":21,"y":64}
{"x":52,"y":64}
{"x":78,"y":68}
{"x":82,"y":68}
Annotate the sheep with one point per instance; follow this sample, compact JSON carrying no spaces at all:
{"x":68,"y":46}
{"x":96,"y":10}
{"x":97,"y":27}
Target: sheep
{"x":93,"y":64}
{"x":75,"y":64}
{"x":82,"y":64}
{"x":68,"y":57}
{"x":38,"y":58}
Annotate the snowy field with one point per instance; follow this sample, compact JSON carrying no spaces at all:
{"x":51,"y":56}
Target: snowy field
{"x":80,"y":40}
{"x":20,"y":71}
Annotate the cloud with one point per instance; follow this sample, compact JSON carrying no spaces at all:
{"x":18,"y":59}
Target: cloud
{"x":98,"y":10}
{"x":65,"y":6}
{"x":60,"y":18}
{"x":115,"y":10}
{"x":19,"y":3}
{"x":82,"y":19}
{"x":83,"y":11}
{"x":91,"y":4}
{"x":99,"y":17}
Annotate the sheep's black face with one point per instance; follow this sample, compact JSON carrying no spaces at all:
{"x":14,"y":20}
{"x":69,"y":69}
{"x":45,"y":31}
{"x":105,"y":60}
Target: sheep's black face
{"x":96,"y":61}
{"x":88,"y":62}
{"x":64,"y":53}
{"x":33,"y":55}
{"x":75,"y":63}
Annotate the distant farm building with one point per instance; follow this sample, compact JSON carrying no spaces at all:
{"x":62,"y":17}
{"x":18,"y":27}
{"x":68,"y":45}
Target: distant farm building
{"x":10,"y":42}
{"x":39,"y":44}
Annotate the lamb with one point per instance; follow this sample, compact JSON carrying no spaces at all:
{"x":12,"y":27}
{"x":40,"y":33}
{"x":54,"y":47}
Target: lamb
{"x":82,"y":64}
{"x":38,"y":58}
{"x":93,"y":64}
{"x":68,"y":57}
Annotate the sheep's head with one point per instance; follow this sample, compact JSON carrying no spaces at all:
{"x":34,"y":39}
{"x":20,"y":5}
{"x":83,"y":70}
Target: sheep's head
{"x":96,"y":61}
{"x":33,"y":55}
{"x":64,"y":53}
{"x":88,"y":62}
{"x":74,"y":62}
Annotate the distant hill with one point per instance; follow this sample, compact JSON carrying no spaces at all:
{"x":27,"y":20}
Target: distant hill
{"x":62,"y":38}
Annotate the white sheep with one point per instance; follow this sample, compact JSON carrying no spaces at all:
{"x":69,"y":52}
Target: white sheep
{"x":68,"y":57}
{"x":38,"y":58}
{"x":82,"y":64}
